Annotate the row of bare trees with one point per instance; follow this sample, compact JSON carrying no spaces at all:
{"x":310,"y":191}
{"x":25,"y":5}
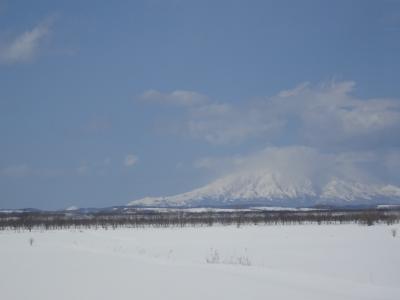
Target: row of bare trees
{"x":41,"y":220}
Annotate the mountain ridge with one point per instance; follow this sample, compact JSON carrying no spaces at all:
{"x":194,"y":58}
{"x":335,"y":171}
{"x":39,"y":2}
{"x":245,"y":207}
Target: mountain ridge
{"x":266,"y":188}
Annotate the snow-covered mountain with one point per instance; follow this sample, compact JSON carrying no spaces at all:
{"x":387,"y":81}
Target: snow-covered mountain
{"x":266,"y":188}
{"x":72,"y":208}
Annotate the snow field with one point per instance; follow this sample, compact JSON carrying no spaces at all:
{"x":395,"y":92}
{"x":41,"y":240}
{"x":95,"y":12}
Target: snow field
{"x":219,"y":262}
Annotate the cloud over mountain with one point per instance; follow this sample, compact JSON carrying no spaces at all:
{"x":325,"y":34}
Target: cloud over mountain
{"x":322,"y":135}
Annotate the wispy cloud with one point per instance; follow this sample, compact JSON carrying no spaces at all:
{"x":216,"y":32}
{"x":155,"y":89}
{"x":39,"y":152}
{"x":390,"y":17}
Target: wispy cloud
{"x":83,"y":168}
{"x":299,"y":162}
{"x":178,"y":97}
{"x":25,"y":47}
{"x":130,"y":160}
{"x":21,"y":170}
{"x":94,"y":167}
{"x":97,"y":124}
{"x":25,"y":170}
{"x":222,"y":123}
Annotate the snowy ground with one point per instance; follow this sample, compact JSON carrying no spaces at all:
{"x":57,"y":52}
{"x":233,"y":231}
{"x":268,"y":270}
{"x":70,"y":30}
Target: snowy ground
{"x":251,"y":262}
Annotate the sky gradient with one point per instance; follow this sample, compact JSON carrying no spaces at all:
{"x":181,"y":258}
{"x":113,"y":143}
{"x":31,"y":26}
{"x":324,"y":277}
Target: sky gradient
{"x":102,"y":103}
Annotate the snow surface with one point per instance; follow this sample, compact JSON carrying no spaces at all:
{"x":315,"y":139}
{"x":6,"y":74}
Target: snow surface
{"x":250,"y":262}
{"x":274,"y":189}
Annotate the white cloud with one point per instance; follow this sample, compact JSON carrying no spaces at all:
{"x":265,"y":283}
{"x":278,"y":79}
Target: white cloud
{"x":293,"y":92}
{"x":24,"y":47}
{"x":130,"y":160}
{"x":330,"y":115}
{"x":325,"y":115}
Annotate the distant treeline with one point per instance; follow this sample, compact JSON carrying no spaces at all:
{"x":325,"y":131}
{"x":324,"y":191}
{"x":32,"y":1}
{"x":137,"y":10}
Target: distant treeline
{"x":141,"y":218}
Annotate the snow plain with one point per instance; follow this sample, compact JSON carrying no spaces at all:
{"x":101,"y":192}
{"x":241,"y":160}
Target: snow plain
{"x":219,"y":262}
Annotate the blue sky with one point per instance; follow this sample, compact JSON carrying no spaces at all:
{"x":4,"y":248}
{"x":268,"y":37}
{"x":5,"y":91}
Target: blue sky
{"x":102,"y":103}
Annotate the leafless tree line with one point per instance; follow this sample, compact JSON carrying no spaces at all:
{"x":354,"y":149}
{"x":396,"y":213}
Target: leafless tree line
{"x":140,"y":218}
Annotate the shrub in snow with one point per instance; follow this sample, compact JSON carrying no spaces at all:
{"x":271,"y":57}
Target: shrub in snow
{"x":243,"y":260}
{"x":213,"y":257}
